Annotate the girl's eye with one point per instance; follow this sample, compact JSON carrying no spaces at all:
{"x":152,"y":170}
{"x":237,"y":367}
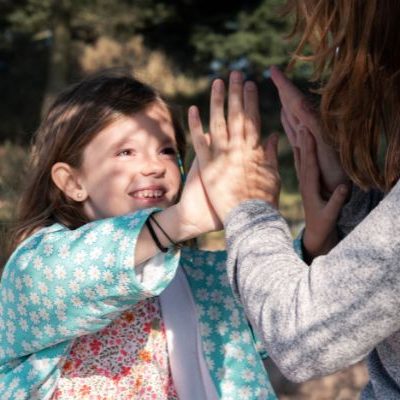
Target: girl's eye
{"x":125,"y":153}
{"x":170,"y":151}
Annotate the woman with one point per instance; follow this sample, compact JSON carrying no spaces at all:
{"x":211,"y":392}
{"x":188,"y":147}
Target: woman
{"x":345,"y":305}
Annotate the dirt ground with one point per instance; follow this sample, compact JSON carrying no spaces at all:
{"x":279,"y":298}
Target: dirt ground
{"x":343,"y":385}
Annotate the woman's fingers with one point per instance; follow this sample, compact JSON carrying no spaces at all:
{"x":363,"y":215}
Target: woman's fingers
{"x":235,"y":108}
{"x":218,"y":126}
{"x":252,"y":124}
{"x":271,"y":150}
{"x":201,"y":142}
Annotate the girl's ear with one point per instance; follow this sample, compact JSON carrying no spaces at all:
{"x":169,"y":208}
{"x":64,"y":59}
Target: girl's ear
{"x":66,"y":179}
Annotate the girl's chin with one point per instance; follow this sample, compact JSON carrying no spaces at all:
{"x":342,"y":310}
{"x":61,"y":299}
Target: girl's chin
{"x":152,"y":202}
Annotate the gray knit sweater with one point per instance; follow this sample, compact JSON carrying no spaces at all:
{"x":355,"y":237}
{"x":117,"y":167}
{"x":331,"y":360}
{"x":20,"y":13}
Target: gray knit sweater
{"x":315,"y":320}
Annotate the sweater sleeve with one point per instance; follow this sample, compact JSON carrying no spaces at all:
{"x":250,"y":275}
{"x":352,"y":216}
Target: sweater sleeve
{"x":60,"y":284}
{"x":316,"y":319}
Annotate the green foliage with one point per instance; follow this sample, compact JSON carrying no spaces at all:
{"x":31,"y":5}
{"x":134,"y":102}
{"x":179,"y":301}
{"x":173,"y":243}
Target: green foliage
{"x":90,"y":18}
{"x":33,"y":16}
{"x":256,"y":34}
{"x":13,"y":161}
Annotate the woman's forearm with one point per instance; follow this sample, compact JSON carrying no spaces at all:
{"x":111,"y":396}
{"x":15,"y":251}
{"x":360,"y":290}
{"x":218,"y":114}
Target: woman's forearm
{"x":316,"y":319}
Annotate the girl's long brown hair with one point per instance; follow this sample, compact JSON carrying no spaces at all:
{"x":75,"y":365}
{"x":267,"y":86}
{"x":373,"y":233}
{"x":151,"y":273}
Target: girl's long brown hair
{"x":77,"y":115}
{"x":357,"y":44}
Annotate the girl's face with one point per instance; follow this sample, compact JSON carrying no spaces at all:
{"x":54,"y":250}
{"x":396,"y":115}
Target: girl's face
{"x":131,"y":164}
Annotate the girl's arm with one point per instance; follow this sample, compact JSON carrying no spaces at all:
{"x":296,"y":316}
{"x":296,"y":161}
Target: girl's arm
{"x":320,"y":234}
{"x":60,"y":284}
{"x":299,"y":120}
{"x":188,"y":219}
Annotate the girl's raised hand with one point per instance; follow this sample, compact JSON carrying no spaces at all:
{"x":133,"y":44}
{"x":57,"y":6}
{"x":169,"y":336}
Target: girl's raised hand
{"x":296,"y":113}
{"x":233,"y":166}
{"x":195,"y":211}
{"x":320,"y":233}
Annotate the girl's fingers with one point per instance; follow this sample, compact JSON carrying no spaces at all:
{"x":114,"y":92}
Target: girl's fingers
{"x":289,"y":94}
{"x":218,"y":129}
{"x":309,"y":170}
{"x":288,"y":128}
{"x":291,"y":97}
{"x":336,"y":202}
{"x":295,"y":102}
{"x":297,"y":161}
{"x":199,"y":139}
{"x":252,"y":114}
{"x":235,"y":108}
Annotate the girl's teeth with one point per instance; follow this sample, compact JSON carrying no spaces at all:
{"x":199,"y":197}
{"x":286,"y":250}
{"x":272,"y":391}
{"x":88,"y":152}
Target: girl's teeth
{"x":149,"y":194}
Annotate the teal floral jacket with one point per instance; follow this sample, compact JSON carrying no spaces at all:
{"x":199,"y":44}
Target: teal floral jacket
{"x":60,"y":284}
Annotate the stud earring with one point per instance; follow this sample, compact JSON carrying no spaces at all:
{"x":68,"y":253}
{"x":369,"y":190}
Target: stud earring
{"x":79,"y":195}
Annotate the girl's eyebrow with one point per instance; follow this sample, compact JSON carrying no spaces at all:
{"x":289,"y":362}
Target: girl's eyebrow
{"x":169,"y":141}
{"x":166,"y":141}
{"x":118,"y":144}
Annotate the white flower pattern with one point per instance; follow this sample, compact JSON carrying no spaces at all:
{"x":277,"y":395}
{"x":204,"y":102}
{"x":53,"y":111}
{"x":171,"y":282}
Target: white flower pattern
{"x":59,"y":287}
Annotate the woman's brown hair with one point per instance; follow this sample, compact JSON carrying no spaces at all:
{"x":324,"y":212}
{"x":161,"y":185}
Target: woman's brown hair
{"x":77,"y":115}
{"x":357,"y":43}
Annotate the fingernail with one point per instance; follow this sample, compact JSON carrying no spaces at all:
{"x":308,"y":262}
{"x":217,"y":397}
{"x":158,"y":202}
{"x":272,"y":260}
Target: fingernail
{"x":250,"y":86}
{"x":218,"y":85}
{"x":193,"y":111}
{"x":343,"y":189}
{"x":236,"y":76}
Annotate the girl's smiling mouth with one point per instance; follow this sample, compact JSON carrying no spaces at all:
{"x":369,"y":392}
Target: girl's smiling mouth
{"x":148,"y":194}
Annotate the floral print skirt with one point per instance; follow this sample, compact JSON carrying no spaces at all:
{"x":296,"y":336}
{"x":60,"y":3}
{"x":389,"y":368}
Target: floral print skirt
{"x":126,"y":360}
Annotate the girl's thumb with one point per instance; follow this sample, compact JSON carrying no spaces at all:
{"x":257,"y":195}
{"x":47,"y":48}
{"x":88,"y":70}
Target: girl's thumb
{"x":336,"y":201}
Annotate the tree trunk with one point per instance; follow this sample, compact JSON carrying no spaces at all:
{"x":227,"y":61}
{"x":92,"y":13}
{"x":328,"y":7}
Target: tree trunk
{"x":59,"y":50}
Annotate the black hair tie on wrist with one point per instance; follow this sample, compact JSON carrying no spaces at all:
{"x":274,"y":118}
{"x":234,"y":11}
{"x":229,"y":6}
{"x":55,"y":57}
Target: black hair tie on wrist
{"x":153,"y":219}
{"x":155,"y":238}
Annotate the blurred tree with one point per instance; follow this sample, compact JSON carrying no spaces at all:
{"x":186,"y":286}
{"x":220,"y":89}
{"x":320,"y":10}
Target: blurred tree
{"x":60,"y":25}
{"x":43,"y":42}
{"x":252,"y":39}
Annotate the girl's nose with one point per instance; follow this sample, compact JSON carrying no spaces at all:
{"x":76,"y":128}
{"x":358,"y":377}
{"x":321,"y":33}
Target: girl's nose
{"x":152,"y":166}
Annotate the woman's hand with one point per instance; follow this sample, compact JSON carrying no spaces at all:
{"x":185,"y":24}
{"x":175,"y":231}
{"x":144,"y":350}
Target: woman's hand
{"x":297,"y":113}
{"x":233,"y":164}
{"x":320,"y":233}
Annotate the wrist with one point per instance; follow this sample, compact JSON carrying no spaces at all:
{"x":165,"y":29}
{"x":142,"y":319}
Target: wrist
{"x":180,"y":229}
{"x":313,"y":247}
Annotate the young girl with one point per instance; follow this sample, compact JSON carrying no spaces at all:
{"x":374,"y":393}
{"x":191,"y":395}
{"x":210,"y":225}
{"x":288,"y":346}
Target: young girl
{"x":83,"y":314}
